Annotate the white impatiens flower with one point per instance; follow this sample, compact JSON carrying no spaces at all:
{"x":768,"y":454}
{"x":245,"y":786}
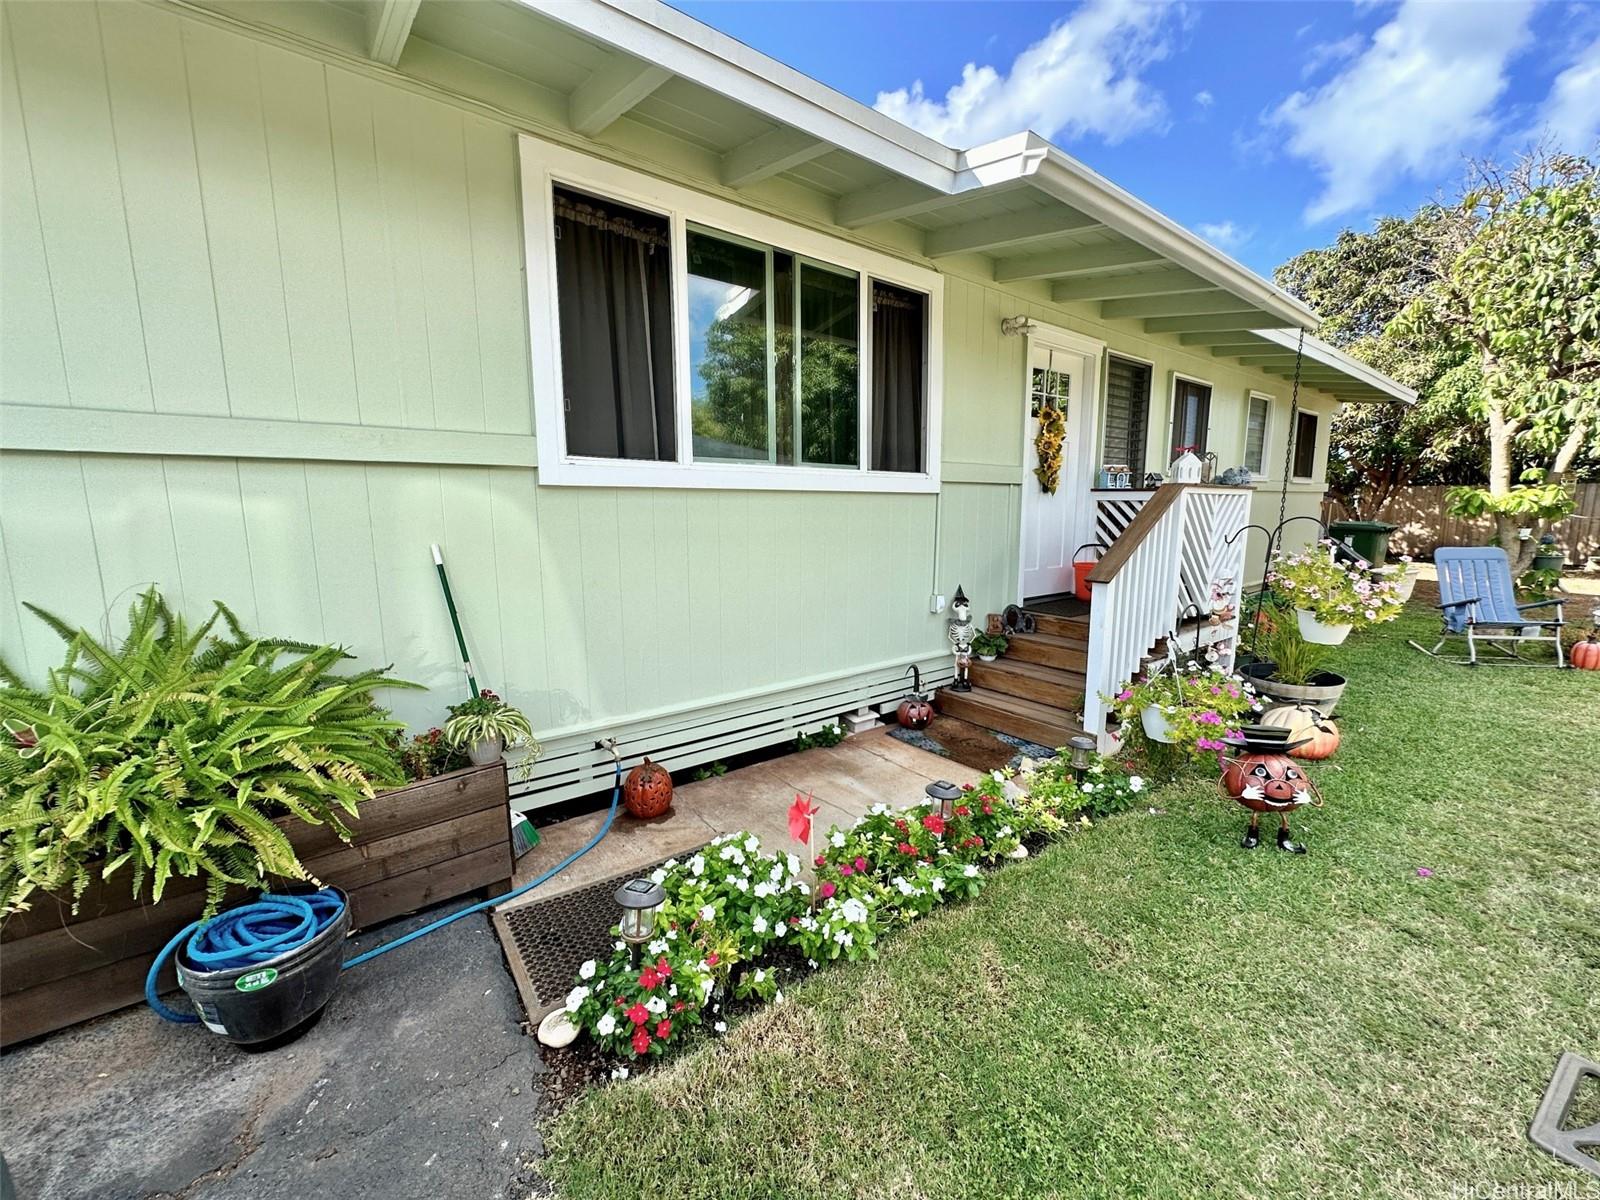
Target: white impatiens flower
{"x":669,"y":864}
{"x":998,"y":776}
{"x":777,"y":871}
{"x":742,"y":884}
{"x":1005,"y":831}
{"x":793,"y":864}
{"x":620,"y":1073}
{"x":706,"y":985}
{"x":733,"y":854}
{"x":708,"y":913}
{"x":844,"y":937}
{"x":673,"y":990}
{"x":721,"y":1027}
{"x":902,"y":884}
{"x":619,"y":945}
{"x":938,"y":883}
{"x":837,"y":839}
{"x":697,"y":865}
{"x":576,"y":997}
{"x":659,"y":946}
{"x":658,"y":876}
{"x":763,"y":890}
{"x":587,"y":970}
{"x":1136,"y":783}
{"x":970,"y":870}
{"x":606,"y":1025}
{"x":758,"y":924}
{"x":878,"y":809}
{"x":761,"y":974}
{"x":656,"y":1004}
{"x":779,"y":929}
{"x":853,"y":911}
{"x":777,"y":997}
{"x":803,"y":888}
{"x":752,"y":844}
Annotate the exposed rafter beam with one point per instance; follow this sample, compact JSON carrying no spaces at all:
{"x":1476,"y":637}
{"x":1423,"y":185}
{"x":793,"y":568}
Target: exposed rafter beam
{"x":1076,"y":260}
{"x":1233,"y":349}
{"x":1194,"y":324}
{"x":989,"y":234}
{"x":1252,"y":359}
{"x":889,"y":202}
{"x":1119,"y":287}
{"x":610,"y":92}
{"x":1176,"y":306}
{"x":771,"y":154}
{"x":1229,"y":338}
{"x":388,"y":27}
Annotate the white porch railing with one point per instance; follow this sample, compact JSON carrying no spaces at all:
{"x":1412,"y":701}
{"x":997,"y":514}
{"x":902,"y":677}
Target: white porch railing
{"x":1173,"y":553}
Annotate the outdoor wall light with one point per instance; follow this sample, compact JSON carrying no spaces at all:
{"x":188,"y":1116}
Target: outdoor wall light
{"x":1082,"y":748}
{"x":640,"y":900}
{"x":945,"y":794}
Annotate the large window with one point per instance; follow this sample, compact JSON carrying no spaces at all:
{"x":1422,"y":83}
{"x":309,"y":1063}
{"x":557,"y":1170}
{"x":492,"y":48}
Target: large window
{"x":1191,"y":415}
{"x":1305,"y":445}
{"x":1127,"y":413}
{"x":693,"y":343}
{"x":1255,"y":435}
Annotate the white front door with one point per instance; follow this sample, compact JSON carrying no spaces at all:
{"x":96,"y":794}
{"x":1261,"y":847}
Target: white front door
{"x":1062,"y":378}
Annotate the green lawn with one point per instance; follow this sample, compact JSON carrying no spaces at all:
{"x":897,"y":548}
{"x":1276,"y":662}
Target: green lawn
{"x":1147,"y":1009}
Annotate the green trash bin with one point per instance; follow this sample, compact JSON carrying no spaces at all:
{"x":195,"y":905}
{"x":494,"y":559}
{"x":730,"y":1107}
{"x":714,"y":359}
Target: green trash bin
{"x":1370,"y":539}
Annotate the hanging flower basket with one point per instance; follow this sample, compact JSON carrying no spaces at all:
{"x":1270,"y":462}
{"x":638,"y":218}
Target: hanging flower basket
{"x":1156,"y":726}
{"x":1320,"y":632}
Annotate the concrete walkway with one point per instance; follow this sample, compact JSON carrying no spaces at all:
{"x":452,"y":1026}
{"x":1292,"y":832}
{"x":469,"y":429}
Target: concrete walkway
{"x":844,"y":780}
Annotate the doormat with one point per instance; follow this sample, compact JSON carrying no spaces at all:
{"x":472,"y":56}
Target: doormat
{"x":972,"y":745}
{"x":546,"y":941}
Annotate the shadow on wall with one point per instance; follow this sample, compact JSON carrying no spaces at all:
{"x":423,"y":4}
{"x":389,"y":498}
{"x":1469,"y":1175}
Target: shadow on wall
{"x":1424,"y":525}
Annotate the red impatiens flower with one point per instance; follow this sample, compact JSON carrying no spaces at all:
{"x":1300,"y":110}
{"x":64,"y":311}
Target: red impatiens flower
{"x":966,"y":787}
{"x":648,"y":978}
{"x":902,"y":826}
{"x":620,"y":1002}
{"x":826,"y":890}
{"x":934,"y":824}
{"x":847,"y":870}
{"x":638,"y":1014}
{"x":641,"y":1041}
{"x":663,"y":967}
{"x":963,"y":811}
{"x":679,"y":1006}
{"x":820,"y":860}
{"x":987,"y":808}
{"x":712,"y":959}
{"x":907,"y":848}
{"x":664,"y":1030}
{"x":861,"y":864}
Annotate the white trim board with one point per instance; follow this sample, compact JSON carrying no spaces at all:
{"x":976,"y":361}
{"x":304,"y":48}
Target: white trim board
{"x":543,"y":165}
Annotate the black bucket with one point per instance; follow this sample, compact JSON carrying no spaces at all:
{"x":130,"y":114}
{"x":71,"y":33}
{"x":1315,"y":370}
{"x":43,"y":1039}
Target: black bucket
{"x":271,"y":1002}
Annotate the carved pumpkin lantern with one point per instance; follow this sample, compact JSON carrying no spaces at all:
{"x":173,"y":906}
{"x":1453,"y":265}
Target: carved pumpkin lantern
{"x":1264,"y":779}
{"x":648,"y":791}
{"x":1319,"y":737}
{"x":1586,"y":654}
{"x":915,"y":710}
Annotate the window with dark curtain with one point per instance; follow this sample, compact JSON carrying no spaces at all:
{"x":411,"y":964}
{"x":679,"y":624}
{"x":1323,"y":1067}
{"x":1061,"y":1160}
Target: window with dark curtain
{"x":614,"y":297}
{"x":1191,"y":414}
{"x":1127,"y":414}
{"x":899,"y":376}
{"x":1305,"y":445}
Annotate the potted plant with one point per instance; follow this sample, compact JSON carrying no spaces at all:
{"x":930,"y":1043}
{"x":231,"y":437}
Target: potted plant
{"x":989,"y":646}
{"x":1197,"y":709}
{"x":1549,"y":556}
{"x":1291,"y":668}
{"x":1404,"y":574}
{"x":1329,"y":598}
{"x":486,"y":727}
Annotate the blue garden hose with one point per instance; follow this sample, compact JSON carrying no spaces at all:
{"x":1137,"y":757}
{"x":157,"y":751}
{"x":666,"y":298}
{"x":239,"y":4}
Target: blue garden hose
{"x":276,"y":924}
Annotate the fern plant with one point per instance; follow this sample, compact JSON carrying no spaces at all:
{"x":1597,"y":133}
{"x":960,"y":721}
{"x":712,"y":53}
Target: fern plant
{"x":170,"y":754}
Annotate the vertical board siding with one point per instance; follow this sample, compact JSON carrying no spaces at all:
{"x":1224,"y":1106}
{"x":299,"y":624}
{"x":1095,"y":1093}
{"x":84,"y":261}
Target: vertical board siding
{"x":200,"y":223}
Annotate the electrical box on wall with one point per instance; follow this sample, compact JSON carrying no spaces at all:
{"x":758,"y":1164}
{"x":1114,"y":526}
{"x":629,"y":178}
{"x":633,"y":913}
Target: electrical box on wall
{"x":936,"y":603}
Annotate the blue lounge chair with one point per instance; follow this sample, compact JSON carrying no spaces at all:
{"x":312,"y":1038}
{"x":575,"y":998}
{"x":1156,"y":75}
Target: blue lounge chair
{"x":1479,"y":602}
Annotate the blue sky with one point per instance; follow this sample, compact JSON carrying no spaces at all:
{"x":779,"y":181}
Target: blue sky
{"x":1266,"y":127}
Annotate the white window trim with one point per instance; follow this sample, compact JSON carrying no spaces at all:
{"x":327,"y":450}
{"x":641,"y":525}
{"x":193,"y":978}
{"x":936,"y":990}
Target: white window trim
{"x":1317,"y":417}
{"x":542,"y":166}
{"x":1265,"y":472}
{"x":1172,"y":409}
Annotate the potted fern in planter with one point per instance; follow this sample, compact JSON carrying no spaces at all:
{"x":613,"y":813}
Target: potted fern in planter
{"x":145,"y":783}
{"x":486,"y":727}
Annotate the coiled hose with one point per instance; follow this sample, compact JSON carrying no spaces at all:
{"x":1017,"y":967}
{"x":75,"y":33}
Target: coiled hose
{"x":276,"y":924}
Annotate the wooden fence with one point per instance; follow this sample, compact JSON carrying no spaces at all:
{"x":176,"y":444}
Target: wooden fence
{"x":1425,"y":525}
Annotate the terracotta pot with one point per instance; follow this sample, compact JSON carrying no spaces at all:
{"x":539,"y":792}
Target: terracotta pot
{"x":648,"y":792}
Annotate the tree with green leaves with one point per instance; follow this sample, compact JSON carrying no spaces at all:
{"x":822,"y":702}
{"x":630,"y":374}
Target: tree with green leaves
{"x":1516,"y":285}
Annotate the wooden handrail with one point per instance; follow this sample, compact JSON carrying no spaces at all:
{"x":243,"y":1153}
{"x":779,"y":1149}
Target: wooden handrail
{"x":1150,"y":512}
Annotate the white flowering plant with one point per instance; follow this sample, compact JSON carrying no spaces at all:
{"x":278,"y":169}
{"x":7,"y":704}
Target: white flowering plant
{"x":1334,"y":592}
{"x":842,"y":927}
{"x":1107,"y":787}
{"x":639,"y":1008}
{"x":732,"y":899}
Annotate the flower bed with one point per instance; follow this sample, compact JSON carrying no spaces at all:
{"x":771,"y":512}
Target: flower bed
{"x":738,"y":918}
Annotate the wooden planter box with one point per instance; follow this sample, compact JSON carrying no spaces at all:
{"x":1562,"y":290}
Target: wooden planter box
{"x":414,"y":846}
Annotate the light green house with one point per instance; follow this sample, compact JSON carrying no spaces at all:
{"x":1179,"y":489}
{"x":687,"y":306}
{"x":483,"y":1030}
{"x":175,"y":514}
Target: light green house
{"x":711,"y":383}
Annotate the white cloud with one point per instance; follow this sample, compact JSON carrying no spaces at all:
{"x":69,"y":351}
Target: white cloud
{"x":1419,"y":94}
{"x":1571,"y":112}
{"x":1081,"y":78}
{"x":1226,"y":234}
{"x":1326,"y":53}
{"x":1204,"y":99}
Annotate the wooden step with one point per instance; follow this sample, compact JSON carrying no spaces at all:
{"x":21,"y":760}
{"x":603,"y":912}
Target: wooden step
{"x":1049,"y":650}
{"x":1039,"y":723}
{"x":1067,"y":627}
{"x":1030,"y":681}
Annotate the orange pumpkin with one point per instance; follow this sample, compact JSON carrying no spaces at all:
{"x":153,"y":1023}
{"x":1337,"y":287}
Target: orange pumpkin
{"x":648,"y":792}
{"x":1307,"y":724}
{"x":1586,"y":654}
{"x":1324,"y":741}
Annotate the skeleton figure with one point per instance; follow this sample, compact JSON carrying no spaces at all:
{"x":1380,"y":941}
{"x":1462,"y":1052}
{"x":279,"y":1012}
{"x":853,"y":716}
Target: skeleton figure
{"x":960,"y":631}
{"x":1266,"y":780}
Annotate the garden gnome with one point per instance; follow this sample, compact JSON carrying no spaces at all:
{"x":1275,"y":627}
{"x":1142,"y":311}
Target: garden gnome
{"x":1266,"y":780}
{"x":961,"y":633}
